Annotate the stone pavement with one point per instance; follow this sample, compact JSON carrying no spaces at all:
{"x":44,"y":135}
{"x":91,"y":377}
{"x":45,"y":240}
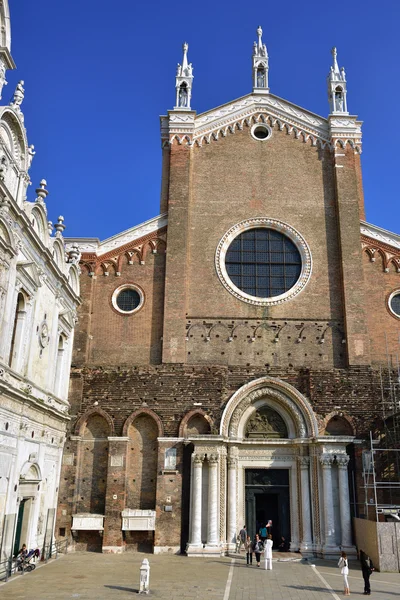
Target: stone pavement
{"x":89,"y":576}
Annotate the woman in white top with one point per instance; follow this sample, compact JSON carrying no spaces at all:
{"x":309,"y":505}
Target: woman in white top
{"x":343,"y":564}
{"x":268,"y":553}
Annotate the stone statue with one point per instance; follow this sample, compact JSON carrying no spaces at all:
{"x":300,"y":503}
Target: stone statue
{"x":259,"y":423}
{"x":31,"y":154}
{"x":260,"y":78}
{"x":19,"y":95}
{"x":338,"y":101}
{"x":183,"y":97}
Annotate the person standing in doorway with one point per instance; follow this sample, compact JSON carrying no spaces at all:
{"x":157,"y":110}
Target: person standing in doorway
{"x":268,"y":553}
{"x":248,"y":545}
{"x":367,"y":568}
{"x":263,"y":533}
{"x":258,"y":547}
{"x":343,"y":565}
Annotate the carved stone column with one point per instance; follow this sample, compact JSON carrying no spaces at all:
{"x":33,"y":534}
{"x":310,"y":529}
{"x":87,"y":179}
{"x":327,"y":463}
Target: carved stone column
{"x":344,"y":500}
{"x":306,"y":537}
{"x":196,"y":500}
{"x":232,"y":504}
{"x":212,"y":525}
{"x":329,"y":547}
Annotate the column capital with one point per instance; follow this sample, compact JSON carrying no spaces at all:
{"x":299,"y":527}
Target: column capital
{"x":213,"y":459}
{"x":326,"y":460}
{"x":232,"y":462}
{"x":303,"y":461}
{"x":342,"y":460}
{"x":198,"y":459}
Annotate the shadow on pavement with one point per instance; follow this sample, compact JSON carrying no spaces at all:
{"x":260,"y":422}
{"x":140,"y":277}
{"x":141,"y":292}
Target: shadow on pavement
{"x":310,"y":588}
{"x":122,"y":589}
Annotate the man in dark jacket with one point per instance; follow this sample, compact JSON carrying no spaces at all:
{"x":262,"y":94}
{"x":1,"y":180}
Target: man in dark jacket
{"x":367,"y":567}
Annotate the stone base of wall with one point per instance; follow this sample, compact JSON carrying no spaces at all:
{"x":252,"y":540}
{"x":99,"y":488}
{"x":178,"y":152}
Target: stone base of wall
{"x":167,"y":550}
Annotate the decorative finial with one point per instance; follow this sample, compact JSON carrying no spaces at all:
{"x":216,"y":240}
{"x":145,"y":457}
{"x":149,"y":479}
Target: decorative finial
{"x":50,"y":227}
{"x":184,"y":80}
{"x":337,"y":86}
{"x":41,"y":192}
{"x":74,"y":255}
{"x":59,"y":226}
{"x":260,"y":64}
{"x":19,"y":95}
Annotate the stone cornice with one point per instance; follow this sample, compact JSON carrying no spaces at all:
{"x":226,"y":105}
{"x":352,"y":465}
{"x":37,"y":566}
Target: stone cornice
{"x":380,"y":236}
{"x":92,"y":248}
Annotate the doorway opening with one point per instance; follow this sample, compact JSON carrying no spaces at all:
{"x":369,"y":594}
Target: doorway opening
{"x":268,"y":499}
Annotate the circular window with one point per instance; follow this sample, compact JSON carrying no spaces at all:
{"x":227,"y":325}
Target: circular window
{"x":394,"y":303}
{"x":263,"y":261}
{"x":261,"y":132}
{"x":127,"y":299}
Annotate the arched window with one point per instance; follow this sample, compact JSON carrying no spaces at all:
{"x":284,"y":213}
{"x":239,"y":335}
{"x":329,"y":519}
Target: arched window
{"x":59,"y":371}
{"x":198,"y":425}
{"x":338,"y":425}
{"x":17,"y":337}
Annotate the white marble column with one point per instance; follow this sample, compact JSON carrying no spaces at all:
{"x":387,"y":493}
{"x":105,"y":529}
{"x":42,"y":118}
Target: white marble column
{"x":306,"y":533}
{"x":196,"y":499}
{"x":344,"y":500}
{"x":232,"y":504}
{"x":326,"y":461}
{"x":212,"y":525}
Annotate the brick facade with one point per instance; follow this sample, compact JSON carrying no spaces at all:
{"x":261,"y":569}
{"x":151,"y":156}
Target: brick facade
{"x":161,"y":378}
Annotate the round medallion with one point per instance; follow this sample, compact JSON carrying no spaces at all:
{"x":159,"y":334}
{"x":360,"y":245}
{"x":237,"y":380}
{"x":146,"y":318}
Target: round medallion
{"x":44,"y":334}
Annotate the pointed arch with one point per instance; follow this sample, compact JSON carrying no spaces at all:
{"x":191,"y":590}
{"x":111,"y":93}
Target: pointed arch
{"x":59,"y":253}
{"x":39,"y":222}
{"x":82,"y":421}
{"x":197,"y":412}
{"x":138,"y":413}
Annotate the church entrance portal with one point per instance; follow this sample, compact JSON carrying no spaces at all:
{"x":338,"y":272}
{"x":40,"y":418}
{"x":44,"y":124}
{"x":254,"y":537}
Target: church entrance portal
{"x":267,"y":498}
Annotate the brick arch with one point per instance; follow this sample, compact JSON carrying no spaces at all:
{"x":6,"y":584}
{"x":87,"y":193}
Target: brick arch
{"x":81,"y":422}
{"x":138,"y":413}
{"x":185,"y":420}
{"x":337,"y":413}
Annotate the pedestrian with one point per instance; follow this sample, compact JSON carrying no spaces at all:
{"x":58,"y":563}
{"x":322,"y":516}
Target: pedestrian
{"x":343,"y":565}
{"x":248,"y":545}
{"x":268,"y":553}
{"x":269,"y":527}
{"x":258,"y":547}
{"x":242,"y":537}
{"x":263,"y":533}
{"x":367,"y":568}
{"x":283,"y":546}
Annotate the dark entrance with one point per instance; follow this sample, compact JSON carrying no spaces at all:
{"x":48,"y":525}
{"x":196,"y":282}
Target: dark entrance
{"x":267,"y":498}
{"x":18,"y":531}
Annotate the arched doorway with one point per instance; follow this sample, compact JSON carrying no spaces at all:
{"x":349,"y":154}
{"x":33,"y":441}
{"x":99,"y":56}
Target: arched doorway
{"x":29,"y":483}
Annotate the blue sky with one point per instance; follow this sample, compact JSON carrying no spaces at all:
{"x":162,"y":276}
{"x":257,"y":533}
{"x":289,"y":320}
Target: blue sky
{"x":98,"y":74}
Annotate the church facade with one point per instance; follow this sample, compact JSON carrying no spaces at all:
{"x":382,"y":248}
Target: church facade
{"x":226,"y":362}
{"x":39,"y":294}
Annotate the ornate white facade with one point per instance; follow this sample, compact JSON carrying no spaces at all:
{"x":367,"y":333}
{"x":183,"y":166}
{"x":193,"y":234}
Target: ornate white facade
{"x":312,"y":468}
{"x":39,"y":294}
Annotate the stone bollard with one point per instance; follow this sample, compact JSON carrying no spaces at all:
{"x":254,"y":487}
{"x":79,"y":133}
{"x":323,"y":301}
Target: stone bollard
{"x":144,"y":577}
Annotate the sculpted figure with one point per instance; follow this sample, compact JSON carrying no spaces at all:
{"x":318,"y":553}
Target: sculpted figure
{"x":19,"y":95}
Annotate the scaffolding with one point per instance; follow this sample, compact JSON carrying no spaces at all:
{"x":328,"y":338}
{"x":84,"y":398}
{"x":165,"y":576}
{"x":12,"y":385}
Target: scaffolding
{"x":381,"y":463}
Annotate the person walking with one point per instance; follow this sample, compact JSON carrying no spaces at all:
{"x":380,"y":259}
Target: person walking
{"x":343,"y":565}
{"x":367,"y":568}
{"x":268,"y":553}
{"x":248,"y":545}
{"x":242,"y":537}
{"x":258,"y":547}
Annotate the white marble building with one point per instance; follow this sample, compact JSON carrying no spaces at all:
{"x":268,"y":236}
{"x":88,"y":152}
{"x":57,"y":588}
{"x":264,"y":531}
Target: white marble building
{"x":39,"y":294}
{"x":303,"y":473}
